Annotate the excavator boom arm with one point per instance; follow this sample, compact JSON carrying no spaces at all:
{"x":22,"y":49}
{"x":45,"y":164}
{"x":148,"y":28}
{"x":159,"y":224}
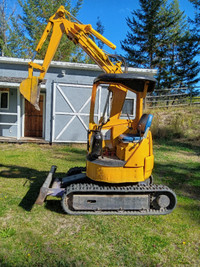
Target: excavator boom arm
{"x":79,"y":34}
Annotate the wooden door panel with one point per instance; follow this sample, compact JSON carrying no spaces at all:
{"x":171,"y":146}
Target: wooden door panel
{"x":33,"y":119}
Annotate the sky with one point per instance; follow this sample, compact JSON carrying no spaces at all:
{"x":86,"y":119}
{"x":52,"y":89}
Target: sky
{"x":113,"y":14}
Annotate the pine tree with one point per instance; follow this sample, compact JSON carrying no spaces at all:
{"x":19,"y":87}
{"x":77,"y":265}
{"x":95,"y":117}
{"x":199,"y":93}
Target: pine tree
{"x":157,"y":35}
{"x":170,"y":38}
{"x":187,"y":66}
{"x":183,"y":67}
{"x":196,"y":20}
{"x":29,"y":27}
{"x":141,"y":43}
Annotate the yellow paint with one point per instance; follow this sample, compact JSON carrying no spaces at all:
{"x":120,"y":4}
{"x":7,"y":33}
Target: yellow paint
{"x":29,"y":89}
{"x":114,"y":174}
{"x":148,"y":166}
{"x":124,"y":151}
{"x":139,"y":154}
{"x":139,"y":107}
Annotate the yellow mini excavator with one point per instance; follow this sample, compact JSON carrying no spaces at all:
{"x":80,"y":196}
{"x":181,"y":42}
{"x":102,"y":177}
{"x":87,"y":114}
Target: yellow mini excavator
{"x":118,"y":174}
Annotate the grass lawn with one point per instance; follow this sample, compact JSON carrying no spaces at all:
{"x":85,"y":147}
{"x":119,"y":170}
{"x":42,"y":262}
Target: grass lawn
{"x":45,"y":236}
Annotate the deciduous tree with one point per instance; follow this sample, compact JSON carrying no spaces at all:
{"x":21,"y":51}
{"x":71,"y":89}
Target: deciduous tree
{"x":30,"y":24}
{"x":6,"y":15}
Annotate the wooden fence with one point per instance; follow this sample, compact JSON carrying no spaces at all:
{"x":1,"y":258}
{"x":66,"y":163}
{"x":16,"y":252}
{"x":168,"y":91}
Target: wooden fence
{"x":171,"y":97}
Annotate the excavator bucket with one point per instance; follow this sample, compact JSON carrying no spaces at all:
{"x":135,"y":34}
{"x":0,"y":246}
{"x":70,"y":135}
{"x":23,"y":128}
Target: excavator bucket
{"x":31,"y":91}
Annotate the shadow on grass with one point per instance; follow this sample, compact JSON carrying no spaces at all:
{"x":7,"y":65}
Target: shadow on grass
{"x":54,"y":205}
{"x":71,"y":149}
{"x":180,"y":176}
{"x":34,"y":177}
{"x":180,"y":144}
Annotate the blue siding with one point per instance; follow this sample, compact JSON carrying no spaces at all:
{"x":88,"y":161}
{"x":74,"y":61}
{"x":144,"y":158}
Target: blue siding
{"x":54,"y":75}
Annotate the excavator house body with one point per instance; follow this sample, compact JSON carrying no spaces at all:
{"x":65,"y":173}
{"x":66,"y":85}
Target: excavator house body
{"x":139,"y":169}
{"x":118,"y":160}
{"x":119,"y":163}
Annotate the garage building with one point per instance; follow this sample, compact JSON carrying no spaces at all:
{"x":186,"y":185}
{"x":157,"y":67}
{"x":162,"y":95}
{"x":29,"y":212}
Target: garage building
{"x":64,"y":102}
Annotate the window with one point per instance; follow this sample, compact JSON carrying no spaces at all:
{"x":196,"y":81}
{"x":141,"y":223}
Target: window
{"x":103,"y":104}
{"x":106,"y":102}
{"x":4,"y":96}
{"x":128,"y":107}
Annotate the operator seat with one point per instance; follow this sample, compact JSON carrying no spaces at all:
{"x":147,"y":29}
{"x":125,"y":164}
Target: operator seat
{"x":142,"y":130}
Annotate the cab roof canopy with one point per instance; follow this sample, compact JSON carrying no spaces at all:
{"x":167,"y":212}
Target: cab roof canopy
{"x":133,"y":82}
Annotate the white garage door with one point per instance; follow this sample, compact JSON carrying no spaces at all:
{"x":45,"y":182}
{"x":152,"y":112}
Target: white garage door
{"x":71,"y":107}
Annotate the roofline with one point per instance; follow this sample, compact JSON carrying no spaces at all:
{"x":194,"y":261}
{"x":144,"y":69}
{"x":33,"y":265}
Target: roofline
{"x":71,"y":65}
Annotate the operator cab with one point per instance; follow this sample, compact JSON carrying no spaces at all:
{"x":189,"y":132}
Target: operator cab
{"x":118,"y":85}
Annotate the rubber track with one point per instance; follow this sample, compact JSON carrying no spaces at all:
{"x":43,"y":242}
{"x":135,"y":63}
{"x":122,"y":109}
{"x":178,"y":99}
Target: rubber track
{"x":129,"y":189}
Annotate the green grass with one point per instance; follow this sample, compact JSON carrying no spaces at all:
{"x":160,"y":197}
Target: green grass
{"x":45,"y":236}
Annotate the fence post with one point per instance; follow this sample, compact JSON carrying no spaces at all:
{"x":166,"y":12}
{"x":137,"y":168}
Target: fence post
{"x":144,"y":106}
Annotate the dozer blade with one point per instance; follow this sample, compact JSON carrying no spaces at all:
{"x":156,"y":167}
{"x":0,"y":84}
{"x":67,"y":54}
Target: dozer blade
{"x":31,"y":91}
{"x":46,"y":186}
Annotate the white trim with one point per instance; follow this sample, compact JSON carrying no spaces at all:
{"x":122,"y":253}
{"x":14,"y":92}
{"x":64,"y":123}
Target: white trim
{"x":53,"y":114}
{"x":75,"y":85}
{"x":72,"y":65}
{"x":7,"y":113}
{"x":44,"y":114}
{"x":99,"y":103}
{"x":18,"y":115}
{"x":23,"y":116}
{"x":16,"y":85}
{"x":9,"y":84}
{"x":75,"y":142}
{"x":74,"y":113}
{"x":43,"y":86}
{"x":8,"y":123}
